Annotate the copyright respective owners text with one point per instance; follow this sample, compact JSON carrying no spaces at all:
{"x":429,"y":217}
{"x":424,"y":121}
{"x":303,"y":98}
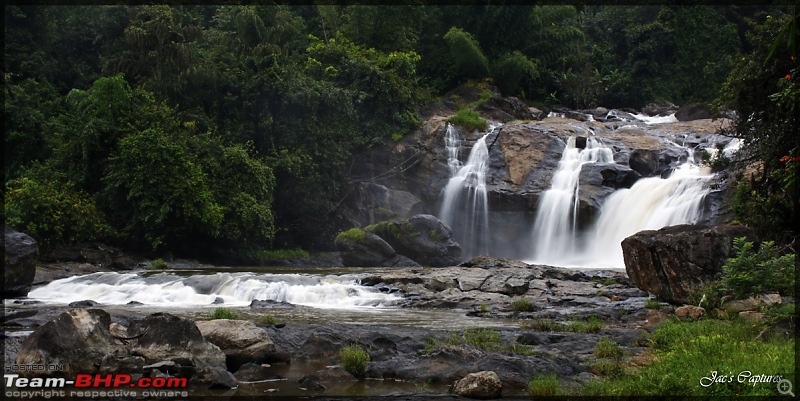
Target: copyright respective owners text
{"x":22,"y":382}
{"x":782,"y":384}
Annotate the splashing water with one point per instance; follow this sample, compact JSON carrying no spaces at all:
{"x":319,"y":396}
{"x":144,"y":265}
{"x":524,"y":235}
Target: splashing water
{"x":555,"y":227}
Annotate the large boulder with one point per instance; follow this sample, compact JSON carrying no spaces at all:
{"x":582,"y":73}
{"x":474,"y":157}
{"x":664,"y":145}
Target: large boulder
{"x":369,"y":203}
{"x":694,"y":111}
{"x":241,"y":341}
{"x":80,"y":340}
{"x":422,"y":238}
{"x":19,"y":260}
{"x":481,"y":385}
{"x":675,"y":261}
{"x":505,"y":109}
{"x":360,"y":248}
{"x":165,"y":337}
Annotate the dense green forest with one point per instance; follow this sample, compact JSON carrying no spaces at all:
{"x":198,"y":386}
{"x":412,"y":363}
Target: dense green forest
{"x":178,"y":127}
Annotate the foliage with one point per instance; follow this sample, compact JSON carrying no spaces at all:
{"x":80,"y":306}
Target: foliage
{"x":546,"y":325}
{"x":755,"y":272}
{"x":354,"y":360}
{"x":355,"y":235}
{"x":466,"y":54}
{"x":545,"y":386}
{"x":687,"y":352}
{"x":267,"y":320}
{"x":158,"y":264}
{"x":607,"y":348}
{"x":652,"y":303}
{"x":52,"y":212}
{"x":469,"y":120}
{"x":222,"y":313}
{"x":592,"y":324}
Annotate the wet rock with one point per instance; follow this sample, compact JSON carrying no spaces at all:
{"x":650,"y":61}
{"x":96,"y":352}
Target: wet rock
{"x":251,"y":372}
{"x":674,"y":261}
{"x":484,"y":385}
{"x":79,"y":339}
{"x":505,"y":109}
{"x":20,"y":254}
{"x":660,"y":108}
{"x":364,"y":249}
{"x":165,"y":337}
{"x":269,"y":304}
{"x":694,"y":111}
{"x":241,"y":341}
{"x":422,"y":238}
{"x":87,"y":303}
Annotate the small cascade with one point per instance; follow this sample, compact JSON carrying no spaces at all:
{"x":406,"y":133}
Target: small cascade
{"x":235,"y":289}
{"x":452,"y":142}
{"x":465,"y":205}
{"x":555,"y":227}
{"x":650,"y":204}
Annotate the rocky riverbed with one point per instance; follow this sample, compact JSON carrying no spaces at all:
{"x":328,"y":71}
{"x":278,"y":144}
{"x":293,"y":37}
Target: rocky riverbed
{"x":557,"y":316}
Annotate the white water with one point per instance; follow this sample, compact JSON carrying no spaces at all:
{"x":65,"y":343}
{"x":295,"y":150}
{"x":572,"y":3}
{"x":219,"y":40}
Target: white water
{"x":465,"y":205}
{"x":555,"y":227}
{"x":452,"y":142}
{"x":656,"y":119}
{"x":650,"y":204}
{"x":236,"y":289}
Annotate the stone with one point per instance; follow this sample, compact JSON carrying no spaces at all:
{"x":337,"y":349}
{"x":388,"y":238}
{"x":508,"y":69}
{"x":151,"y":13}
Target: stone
{"x":505,"y":109}
{"x":690,"y":311}
{"x":422,"y":238}
{"x":676,"y":261}
{"x":166,"y":337}
{"x":751,"y":303}
{"x":654,"y":317}
{"x":367,"y":251}
{"x":752,"y":316}
{"x":21,"y":253}
{"x":79,"y":339}
{"x":241,"y":341}
{"x":694,"y":111}
{"x":251,"y":372}
{"x":87,"y":303}
{"x":368,"y":203}
{"x":484,"y":385}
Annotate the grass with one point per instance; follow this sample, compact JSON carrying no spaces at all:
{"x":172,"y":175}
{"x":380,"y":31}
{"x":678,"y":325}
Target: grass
{"x":469,"y":120}
{"x":267,"y":320}
{"x":592,"y":324}
{"x":546,"y":325}
{"x":545,"y":386}
{"x":222,"y":313}
{"x":486,"y":339}
{"x":686,"y":352}
{"x":607,"y":348}
{"x":280,"y":254}
{"x":653,"y":303}
{"x":355,"y":235}
{"x":522,"y":305}
{"x":354,"y":360}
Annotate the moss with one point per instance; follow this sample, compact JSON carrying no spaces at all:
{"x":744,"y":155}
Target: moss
{"x":356,"y":235}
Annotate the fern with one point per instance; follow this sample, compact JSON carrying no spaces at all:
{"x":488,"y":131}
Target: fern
{"x":754,"y":272}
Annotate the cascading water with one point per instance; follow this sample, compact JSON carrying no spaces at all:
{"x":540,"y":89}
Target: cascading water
{"x":452,"y":142}
{"x":650,"y":204}
{"x":235,"y":289}
{"x":555,"y":227}
{"x":465,"y":206}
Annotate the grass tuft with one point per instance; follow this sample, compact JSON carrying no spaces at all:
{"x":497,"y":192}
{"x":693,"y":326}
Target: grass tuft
{"x":354,"y":360}
{"x":545,"y":386}
{"x":607,"y":348}
{"x":522,"y":305}
{"x":222,"y":313}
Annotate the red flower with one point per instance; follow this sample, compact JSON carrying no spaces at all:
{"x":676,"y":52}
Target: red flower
{"x":784,"y":159}
{"x":788,"y":76}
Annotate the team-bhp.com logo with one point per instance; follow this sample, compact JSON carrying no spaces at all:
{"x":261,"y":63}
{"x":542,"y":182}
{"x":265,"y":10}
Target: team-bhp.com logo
{"x":90,"y":385}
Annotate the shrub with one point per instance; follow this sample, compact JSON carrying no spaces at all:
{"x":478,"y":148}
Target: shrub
{"x":607,"y":348}
{"x":469,"y":120}
{"x":222,"y":313}
{"x":158,"y":264}
{"x":354,"y":360}
{"x":753,"y":272}
{"x":356,"y":235}
{"x":53,"y":213}
{"x":545,"y":386}
{"x":522,"y":305}
{"x":652,"y":303}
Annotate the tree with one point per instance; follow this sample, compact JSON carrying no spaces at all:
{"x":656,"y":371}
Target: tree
{"x":466,"y":55}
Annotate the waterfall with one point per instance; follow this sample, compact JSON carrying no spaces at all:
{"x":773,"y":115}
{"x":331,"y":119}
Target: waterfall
{"x":465,"y":206}
{"x":650,"y":204}
{"x":452,"y":142}
{"x":555,"y":227}
{"x":236,"y":289}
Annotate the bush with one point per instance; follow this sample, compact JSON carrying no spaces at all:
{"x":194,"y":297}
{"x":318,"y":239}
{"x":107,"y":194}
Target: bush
{"x":754,"y":272}
{"x":652,"y":303}
{"x":222,"y":313}
{"x":158,"y":264}
{"x":356,"y":235}
{"x":53,"y":213}
{"x":267,"y":320}
{"x":545,"y":386}
{"x":469,"y":120}
{"x":354,"y":359}
{"x":607,"y":348}
{"x":522,"y":305}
